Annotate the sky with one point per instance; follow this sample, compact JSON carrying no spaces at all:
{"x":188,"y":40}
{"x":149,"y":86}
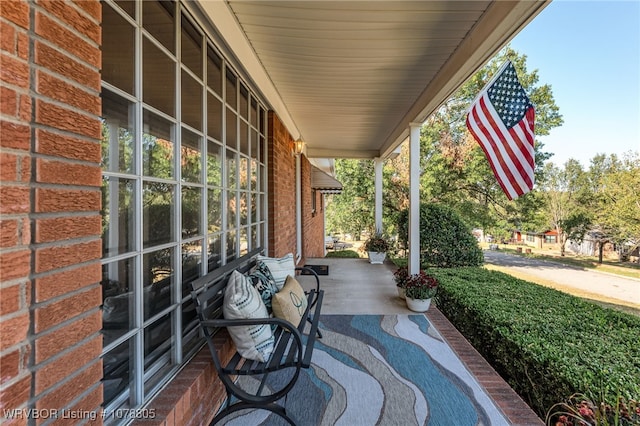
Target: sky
{"x":589,"y":53}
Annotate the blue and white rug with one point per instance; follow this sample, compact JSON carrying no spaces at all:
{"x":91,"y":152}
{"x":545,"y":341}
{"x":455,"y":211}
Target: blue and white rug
{"x":382,"y":370}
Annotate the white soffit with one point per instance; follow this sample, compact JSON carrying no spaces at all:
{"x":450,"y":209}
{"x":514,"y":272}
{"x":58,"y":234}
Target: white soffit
{"x":349,"y":76}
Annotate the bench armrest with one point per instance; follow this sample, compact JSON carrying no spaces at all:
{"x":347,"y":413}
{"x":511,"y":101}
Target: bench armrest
{"x":313,"y":301}
{"x":286,"y":325}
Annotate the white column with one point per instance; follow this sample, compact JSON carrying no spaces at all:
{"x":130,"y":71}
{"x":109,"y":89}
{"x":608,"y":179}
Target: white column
{"x":378,"y":163}
{"x":298,"y":210}
{"x":414,"y":198}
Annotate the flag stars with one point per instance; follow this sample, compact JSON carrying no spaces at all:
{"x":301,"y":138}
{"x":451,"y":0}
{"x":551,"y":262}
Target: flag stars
{"x":508,"y":97}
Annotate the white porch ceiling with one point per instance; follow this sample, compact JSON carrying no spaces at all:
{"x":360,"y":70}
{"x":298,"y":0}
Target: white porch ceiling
{"x":350,"y":76}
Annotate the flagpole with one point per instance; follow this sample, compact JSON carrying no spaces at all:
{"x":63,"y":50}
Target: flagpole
{"x":493,"y":78}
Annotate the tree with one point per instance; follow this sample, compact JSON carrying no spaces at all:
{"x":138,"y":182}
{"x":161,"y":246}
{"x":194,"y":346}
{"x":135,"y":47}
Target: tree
{"x":352,"y":210}
{"x":456,"y":171}
{"x":617,"y":183}
{"x":565,"y":196}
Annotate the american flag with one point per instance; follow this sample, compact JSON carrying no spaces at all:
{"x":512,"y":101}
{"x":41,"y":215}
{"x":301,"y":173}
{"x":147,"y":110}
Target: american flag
{"x":502,"y":121}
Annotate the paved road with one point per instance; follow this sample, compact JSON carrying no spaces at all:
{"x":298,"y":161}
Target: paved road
{"x":626,"y":290}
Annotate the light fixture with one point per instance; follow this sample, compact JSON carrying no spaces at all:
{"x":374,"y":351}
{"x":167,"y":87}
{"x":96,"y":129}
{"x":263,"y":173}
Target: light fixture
{"x":298,"y":147}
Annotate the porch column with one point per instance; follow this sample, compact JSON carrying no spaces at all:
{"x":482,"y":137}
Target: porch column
{"x":378,"y":163}
{"x":414,"y":198}
{"x":298,"y":210}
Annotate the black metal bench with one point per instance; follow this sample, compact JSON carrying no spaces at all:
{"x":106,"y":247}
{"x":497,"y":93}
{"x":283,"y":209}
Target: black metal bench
{"x":293,"y":345}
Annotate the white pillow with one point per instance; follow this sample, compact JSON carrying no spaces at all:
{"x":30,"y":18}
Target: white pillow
{"x":242,"y":301}
{"x":280,"y":268}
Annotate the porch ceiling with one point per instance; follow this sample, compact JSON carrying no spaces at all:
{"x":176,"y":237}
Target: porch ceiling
{"x":350,"y":76}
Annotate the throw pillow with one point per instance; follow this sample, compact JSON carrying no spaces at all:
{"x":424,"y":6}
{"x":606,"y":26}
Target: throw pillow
{"x":290,"y":303}
{"x":242,"y":301}
{"x":280,"y":268}
{"x":263,"y":281}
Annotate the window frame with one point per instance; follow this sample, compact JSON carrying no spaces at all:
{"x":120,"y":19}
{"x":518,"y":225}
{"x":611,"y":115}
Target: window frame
{"x":165,"y":360}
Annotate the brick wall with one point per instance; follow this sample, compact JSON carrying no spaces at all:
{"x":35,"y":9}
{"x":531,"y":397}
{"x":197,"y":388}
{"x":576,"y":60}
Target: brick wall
{"x":282,"y":197}
{"x":50,"y":248}
{"x":15,"y":231}
{"x":313,"y":222}
{"x":282,"y":189}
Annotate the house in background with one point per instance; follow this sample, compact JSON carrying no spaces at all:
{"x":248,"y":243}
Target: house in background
{"x":145,"y":143}
{"x":540,"y":240}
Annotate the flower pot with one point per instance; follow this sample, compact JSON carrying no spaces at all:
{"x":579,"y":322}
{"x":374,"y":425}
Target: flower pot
{"x":401,"y":292}
{"x":418,"y":305}
{"x":377,"y":257}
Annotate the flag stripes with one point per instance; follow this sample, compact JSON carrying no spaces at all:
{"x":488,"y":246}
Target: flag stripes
{"x":509,"y":150}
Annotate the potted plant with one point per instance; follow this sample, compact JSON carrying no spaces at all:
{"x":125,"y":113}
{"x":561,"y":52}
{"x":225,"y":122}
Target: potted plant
{"x":401,"y":275}
{"x":419,"y":290}
{"x":376,"y":247}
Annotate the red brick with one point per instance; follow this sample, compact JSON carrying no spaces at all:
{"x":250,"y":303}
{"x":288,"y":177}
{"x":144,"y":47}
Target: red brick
{"x":71,"y":389}
{"x":60,"y":200}
{"x":57,"y":284}
{"x":65,"y":365}
{"x":22,"y":48}
{"x":54,"y":342}
{"x":11,"y":299}
{"x":72,"y":17}
{"x":64,"y":228}
{"x":65,"y":119}
{"x":49,"y":258}
{"x":14,"y":199}
{"x":47,"y":316}
{"x":67,"y":147}
{"x":24,"y":173}
{"x":90,"y":404}
{"x":8,"y":37}
{"x":15,"y":264}
{"x":62,"y":91}
{"x":8,"y":167}
{"x":8,"y":233}
{"x":62,"y":172}
{"x":14,"y":71}
{"x":56,"y":61}
{"x":13,"y":331}
{"x":92,"y":7}
{"x":24,"y":235}
{"x":16,"y":12}
{"x":24,"y":107}
{"x":15,"y":395}
{"x":67,"y":40}
{"x":10,"y":366}
{"x":16,"y":136}
{"x":8,"y":101}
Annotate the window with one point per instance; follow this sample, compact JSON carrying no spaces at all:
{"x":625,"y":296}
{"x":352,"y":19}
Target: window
{"x":183,"y":191}
{"x":550,"y":239}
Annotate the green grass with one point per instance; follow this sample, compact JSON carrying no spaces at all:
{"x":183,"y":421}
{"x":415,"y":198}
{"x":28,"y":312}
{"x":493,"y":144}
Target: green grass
{"x":343,"y":254}
{"x":624,"y":269}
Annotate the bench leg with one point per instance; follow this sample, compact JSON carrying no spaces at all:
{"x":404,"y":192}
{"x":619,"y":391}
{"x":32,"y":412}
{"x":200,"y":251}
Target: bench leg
{"x":272,"y":406}
{"x":318,"y":330}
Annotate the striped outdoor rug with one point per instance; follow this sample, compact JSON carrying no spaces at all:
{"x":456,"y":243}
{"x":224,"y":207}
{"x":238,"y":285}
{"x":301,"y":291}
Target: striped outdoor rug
{"x":382,"y":370}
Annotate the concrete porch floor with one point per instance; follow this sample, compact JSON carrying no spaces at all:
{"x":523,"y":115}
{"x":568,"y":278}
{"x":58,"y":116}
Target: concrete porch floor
{"x":373,"y":288}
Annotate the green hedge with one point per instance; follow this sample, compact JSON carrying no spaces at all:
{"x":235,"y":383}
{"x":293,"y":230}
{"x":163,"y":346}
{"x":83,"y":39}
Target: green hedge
{"x":546,"y":344}
{"x":445,"y":240}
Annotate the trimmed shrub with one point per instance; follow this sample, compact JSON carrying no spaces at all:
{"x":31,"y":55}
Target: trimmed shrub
{"x":544,"y":343}
{"x":445,"y":240}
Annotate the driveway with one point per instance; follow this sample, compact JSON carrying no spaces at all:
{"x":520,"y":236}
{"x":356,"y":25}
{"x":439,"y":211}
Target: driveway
{"x":612,"y":288}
